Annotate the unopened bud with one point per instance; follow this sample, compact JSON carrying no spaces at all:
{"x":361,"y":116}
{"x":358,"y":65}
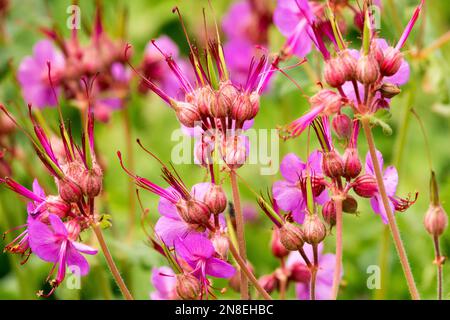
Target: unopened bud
{"x":349,"y":204}
{"x":216,"y":199}
{"x":221,"y":244}
{"x":389,"y":90}
{"x":300,"y":273}
{"x":269,"y":282}
{"x":367,"y":69}
{"x":436,"y":220}
{"x":334,"y":73}
{"x":92,"y":181}
{"x":278,"y":249}
{"x":234,"y":152}
{"x":332,"y":164}
{"x":6,"y":124}
{"x":187,"y":113}
{"x":291,"y":237}
{"x":188,"y":287}
{"x":69,"y":191}
{"x":329,"y":213}
{"x":194,"y":212}
{"x":203,"y":153}
{"x":226,"y":97}
{"x":348,"y":63}
{"x":342,"y":125}
{"x":314,"y":230}
{"x":352,"y":164}
{"x":365,"y":186}
{"x":74,"y":170}
{"x":203,"y":98}
{"x":392,"y":62}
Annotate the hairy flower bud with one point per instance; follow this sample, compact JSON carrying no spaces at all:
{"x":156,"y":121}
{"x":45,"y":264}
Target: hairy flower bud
{"x":234,"y":152}
{"x":436,"y":220}
{"x":392,"y":61}
{"x":314,"y":230}
{"x":74,"y":170}
{"x":331,"y":101}
{"x":349,"y":204}
{"x":188,"y":287}
{"x":69,"y":191}
{"x":332,"y":164}
{"x":389,"y":90}
{"x":203,"y":98}
{"x":278,"y":249}
{"x":348,"y":63}
{"x":367,"y":69}
{"x":187,"y":113}
{"x":226,"y":97}
{"x":300,"y":273}
{"x":342,"y":125}
{"x":329,"y":212}
{"x":365,"y":186}
{"x":352,"y":164}
{"x":194,"y":212}
{"x":269,"y":282}
{"x":291,"y":236}
{"x":334,"y":73}
{"x":216,"y":199}
{"x":92,"y":181}
{"x":221,"y":244}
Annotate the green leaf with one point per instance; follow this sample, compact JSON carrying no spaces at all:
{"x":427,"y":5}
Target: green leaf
{"x":380,"y":118}
{"x":105,"y":221}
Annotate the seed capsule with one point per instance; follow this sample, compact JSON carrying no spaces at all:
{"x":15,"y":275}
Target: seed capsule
{"x":188,"y":287}
{"x":365,"y":186}
{"x":332,"y":164}
{"x":342,"y":125}
{"x":367,"y":69}
{"x":392,"y":61}
{"x":352,"y":164}
{"x":216,"y":199}
{"x":314,"y":230}
{"x":291,"y":237}
{"x":436,"y":220}
{"x":329,"y":212}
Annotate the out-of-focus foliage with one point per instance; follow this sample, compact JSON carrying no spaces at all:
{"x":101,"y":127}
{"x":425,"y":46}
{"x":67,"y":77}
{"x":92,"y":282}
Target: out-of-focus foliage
{"x":428,"y":92}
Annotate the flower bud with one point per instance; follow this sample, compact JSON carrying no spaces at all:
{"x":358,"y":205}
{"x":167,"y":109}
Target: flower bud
{"x":6,"y":124}
{"x":331,"y":101}
{"x":203,"y":99}
{"x":188,"y":287}
{"x":365,"y":186}
{"x":329,"y":212}
{"x":194,"y":212}
{"x":317,"y":184}
{"x":392,"y":62}
{"x":216,"y":199}
{"x":300,"y":273}
{"x":389,"y":90}
{"x":278,"y":249}
{"x":314,"y":230}
{"x":269,"y":282}
{"x":234,"y":152}
{"x":55,"y":205}
{"x":342,"y":125}
{"x":187,"y":113}
{"x":69,"y":191}
{"x":367,"y":69}
{"x":226,"y":98}
{"x":376,"y":52}
{"x":221,"y":244}
{"x":254,"y":102}
{"x":436,"y":220}
{"x":74,"y":170}
{"x":332,"y":164}
{"x":349,"y":204}
{"x":92,"y":181}
{"x":334,"y":73}
{"x":203,"y":153}
{"x":291,"y":236}
{"x":352,"y":164}
{"x":348,"y":63}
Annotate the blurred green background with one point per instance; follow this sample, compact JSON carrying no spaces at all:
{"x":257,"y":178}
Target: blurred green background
{"x":427,"y":92}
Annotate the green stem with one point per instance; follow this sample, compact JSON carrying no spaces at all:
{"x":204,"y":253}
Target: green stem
{"x":391,"y":219}
{"x":439,"y":264}
{"x":338,"y":266}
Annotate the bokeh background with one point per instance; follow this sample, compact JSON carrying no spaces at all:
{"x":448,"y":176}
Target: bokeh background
{"x":428,"y":92}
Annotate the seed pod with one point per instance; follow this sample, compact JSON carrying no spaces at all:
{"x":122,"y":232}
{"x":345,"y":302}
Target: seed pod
{"x":187,"y":113}
{"x":367,"y":69}
{"x":188,"y":287}
{"x":314,"y":230}
{"x":216,"y":199}
{"x":436,"y":220}
{"x":389,"y":90}
{"x":349,"y":204}
{"x":348,"y":63}
{"x":352,"y":163}
{"x":342,"y":125}
{"x":202,"y":98}
{"x":69,"y":191}
{"x":332,"y":164}
{"x":291,"y":237}
{"x":92,"y":181}
{"x":226,"y":98}
{"x":278,"y":249}
{"x":234,"y":152}
{"x":194,"y":212}
{"x":329,"y":213}
{"x":365,"y":186}
{"x":334,"y":73}
{"x":392,"y":62}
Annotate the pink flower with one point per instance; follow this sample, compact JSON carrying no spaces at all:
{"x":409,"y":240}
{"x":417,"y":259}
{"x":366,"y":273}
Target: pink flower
{"x":33,"y":74}
{"x":292,"y":18}
{"x":324,"y":280}
{"x":56,"y":243}
{"x":199,"y":253}
{"x":288,"y":193}
{"x":164,"y":281}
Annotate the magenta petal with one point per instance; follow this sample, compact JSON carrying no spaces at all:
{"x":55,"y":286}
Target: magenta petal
{"x":58,"y":226}
{"x":286,"y":20}
{"x":199,"y":190}
{"x":291,"y":167}
{"x":84,"y":248}
{"x":369,"y":163}
{"x":164,"y":281}
{"x":302,"y":291}
{"x":298,"y":214}
{"x":166,"y":208}
{"x":219,"y":268}
{"x":401,"y":77}
{"x":322,"y":198}
{"x":166,"y":45}
{"x":194,"y":247}
{"x":169,"y":229}
{"x":315,"y":162}
{"x":42,"y":241}
{"x":235,"y":22}
{"x":390,"y":179}
{"x":287,"y":195}
{"x":378,"y":207}
{"x":75,"y":261}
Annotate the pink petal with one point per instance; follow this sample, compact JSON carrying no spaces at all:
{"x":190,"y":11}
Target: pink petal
{"x":369,"y":163}
{"x":57,"y":225}
{"x":84,"y":248}
{"x":199,"y":190}
{"x":288,"y":196}
{"x":194,"y":247}
{"x":292,"y":167}
{"x":42,"y":241}
{"x":164,"y":281}
{"x":390,"y":180}
{"x":169,"y":230}
{"x":75,"y":259}
{"x":219,"y":268}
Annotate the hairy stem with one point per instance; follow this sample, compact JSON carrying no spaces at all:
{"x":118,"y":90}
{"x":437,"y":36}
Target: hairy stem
{"x":240,"y":232}
{"x":312,"y":288}
{"x":131,"y":186}
{"x":112,"y":266}
{"x":439,"y":264}
{"x":338,"y":265}
{"x":391,"y":219}
{"x":246,"y":272}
